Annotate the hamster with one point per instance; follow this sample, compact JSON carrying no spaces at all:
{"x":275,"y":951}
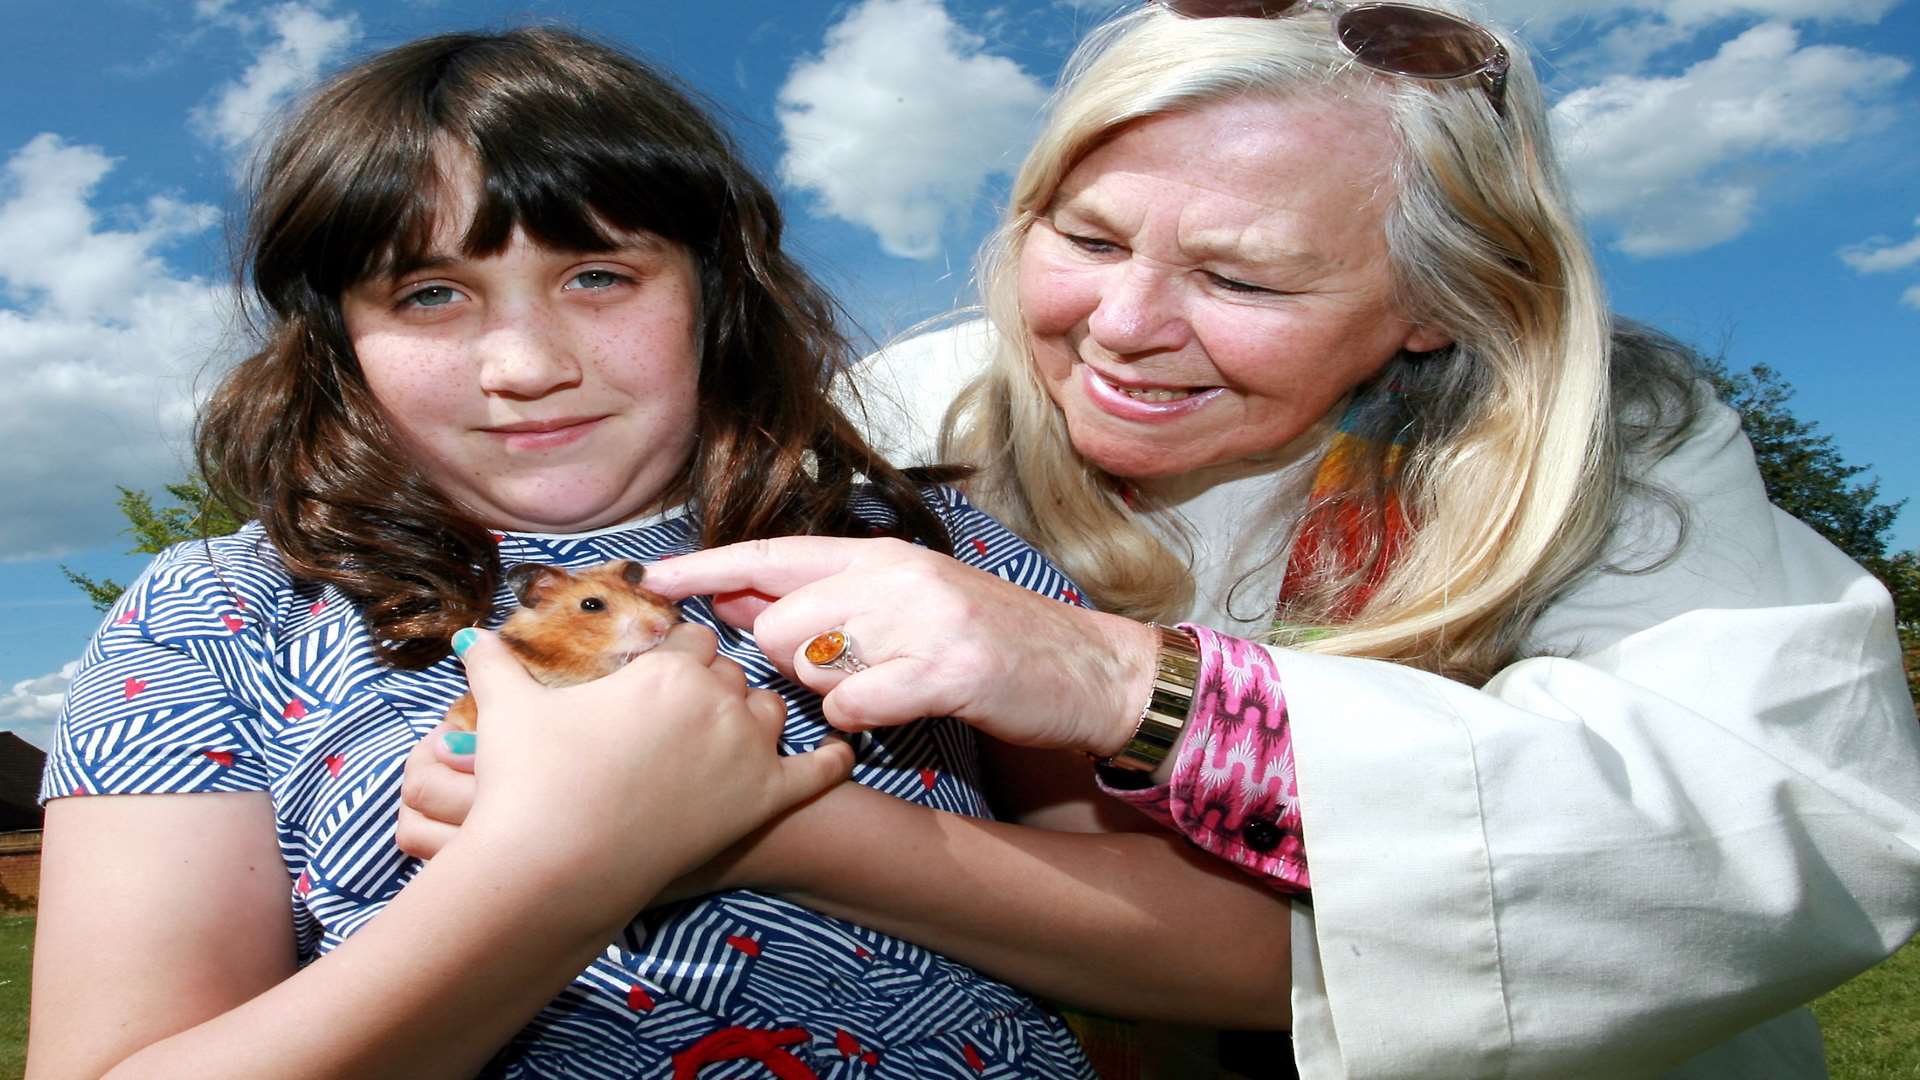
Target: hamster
{"x":575,"y":627}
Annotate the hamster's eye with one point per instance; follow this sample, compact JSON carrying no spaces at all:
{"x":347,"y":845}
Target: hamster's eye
{"x":593,"y":603}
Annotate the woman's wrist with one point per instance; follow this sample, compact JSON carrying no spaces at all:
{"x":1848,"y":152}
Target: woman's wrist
{"x":1135,"y":651}
{"x":1145,"y":759}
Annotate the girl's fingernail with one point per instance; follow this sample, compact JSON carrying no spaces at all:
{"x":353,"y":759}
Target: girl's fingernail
{"x":460,"y":742}
{"x":463,"y":640}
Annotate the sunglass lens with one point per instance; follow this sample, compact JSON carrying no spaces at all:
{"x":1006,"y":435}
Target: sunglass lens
{"x":1415,"y":41}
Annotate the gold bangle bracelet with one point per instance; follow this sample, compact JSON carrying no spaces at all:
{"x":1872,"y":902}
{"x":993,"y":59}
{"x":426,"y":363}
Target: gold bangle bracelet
{"x":1176,"y":669}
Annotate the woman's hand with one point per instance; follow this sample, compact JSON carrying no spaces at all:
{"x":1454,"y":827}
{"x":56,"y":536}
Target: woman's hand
{"x":939,"y":638}
{"x":611,"y":788}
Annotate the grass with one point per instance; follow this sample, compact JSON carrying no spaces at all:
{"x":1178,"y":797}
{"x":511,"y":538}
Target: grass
{"x":1871,"y":1024}
{"x":16,"y":966}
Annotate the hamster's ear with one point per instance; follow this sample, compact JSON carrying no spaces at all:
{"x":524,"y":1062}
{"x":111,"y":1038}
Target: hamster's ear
{"x":632,"y":572}
{"x":529,"y":581}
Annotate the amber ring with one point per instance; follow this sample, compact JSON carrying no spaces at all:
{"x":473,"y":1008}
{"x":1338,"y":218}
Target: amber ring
{"x":833,"y":649}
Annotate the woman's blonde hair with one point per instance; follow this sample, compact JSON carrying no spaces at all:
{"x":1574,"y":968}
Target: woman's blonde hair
{"x":1510,"y":460}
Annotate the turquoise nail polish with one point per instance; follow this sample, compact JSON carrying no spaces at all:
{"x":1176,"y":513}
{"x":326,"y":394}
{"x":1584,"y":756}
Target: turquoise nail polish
{"x":461,"y":742}
{"x":463,"y":640}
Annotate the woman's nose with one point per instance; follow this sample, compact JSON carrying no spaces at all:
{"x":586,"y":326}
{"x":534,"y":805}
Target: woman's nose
{"x":1139,"y":311}
{"x":523,"y":354}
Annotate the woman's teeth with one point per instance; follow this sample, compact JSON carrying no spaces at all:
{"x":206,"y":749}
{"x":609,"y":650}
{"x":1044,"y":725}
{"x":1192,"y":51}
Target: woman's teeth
{"x":1156,"y":395}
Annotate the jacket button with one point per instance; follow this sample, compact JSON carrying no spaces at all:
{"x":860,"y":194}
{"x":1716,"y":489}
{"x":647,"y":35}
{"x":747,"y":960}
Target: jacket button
{"x":1262,"y":836}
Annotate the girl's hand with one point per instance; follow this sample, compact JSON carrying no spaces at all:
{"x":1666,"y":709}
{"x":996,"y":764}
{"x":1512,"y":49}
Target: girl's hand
{"x":611,"y":788}
{"x":939,"y":638}
{"x":436,"y":792}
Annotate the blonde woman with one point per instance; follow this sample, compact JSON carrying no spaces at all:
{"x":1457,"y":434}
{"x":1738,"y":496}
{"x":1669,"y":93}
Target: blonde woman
{"x":1468,"y":597}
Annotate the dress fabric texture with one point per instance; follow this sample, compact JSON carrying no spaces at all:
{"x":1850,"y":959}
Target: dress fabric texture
{"x":1693,"y":805}
{"x":217,"y":672}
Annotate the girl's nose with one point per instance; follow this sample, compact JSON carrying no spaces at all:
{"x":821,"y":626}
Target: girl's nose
{"x":522,"y":355}
{"x":1139,"y":311}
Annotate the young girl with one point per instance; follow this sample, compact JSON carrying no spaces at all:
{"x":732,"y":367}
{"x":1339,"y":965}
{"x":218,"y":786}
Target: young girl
{"x":523,"y":305}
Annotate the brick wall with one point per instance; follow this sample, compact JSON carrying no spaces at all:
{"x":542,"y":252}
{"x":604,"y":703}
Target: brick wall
{"x":19,"y":871}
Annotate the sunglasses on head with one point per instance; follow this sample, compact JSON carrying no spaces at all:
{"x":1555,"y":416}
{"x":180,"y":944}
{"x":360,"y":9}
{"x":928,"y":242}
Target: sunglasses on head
{"x":1399,"y":39}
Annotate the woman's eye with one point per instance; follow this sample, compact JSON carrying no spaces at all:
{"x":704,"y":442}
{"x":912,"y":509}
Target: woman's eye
{"x":431,"y":296}
{"x":594,"y":279}
{"x":1231,"y":285}
{"x":1089,"y":244}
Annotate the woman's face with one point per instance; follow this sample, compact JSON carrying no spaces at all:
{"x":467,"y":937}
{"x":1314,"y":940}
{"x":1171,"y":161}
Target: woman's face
{"x":545,"y":391}
{"x":1208,"y":284}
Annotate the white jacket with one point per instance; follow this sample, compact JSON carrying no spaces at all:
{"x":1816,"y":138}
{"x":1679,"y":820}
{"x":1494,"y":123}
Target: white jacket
{"x":1693,"y":808}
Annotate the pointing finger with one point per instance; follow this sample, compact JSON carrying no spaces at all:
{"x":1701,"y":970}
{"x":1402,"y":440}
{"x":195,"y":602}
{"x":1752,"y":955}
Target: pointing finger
{"x":772,"y":567}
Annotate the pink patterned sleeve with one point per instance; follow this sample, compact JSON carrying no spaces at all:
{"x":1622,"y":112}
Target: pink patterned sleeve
{"x":1233,"y":790}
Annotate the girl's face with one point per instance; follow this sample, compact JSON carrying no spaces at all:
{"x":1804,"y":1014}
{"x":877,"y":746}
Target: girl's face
{"x":545,"y":391}
{"x":1208,"y":284}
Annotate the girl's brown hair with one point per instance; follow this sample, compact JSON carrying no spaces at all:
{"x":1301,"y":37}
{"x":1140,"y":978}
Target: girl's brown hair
{"x":575,"y":143}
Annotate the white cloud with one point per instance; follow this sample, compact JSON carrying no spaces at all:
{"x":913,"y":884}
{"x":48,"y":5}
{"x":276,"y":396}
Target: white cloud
{"x":32,"y":705}
{"x":1687,"y":218}
{"x":1911,"y":297}
{"x":1878,"y":255}
{"x":1671,"y":161}
{"x":99,"y":346}
{"x":304,"y":41}
{"x":900,"y":120}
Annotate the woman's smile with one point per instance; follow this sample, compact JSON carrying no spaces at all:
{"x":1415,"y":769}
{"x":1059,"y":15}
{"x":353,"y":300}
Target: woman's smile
{"x":1143,"y":402}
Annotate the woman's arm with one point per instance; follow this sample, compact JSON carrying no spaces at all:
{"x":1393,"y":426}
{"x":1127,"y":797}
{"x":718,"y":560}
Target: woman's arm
{"x":166,"y":942}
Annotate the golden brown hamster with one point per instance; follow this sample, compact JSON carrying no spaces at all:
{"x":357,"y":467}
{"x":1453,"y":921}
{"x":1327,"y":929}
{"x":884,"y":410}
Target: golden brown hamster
{"x":575,"y":627}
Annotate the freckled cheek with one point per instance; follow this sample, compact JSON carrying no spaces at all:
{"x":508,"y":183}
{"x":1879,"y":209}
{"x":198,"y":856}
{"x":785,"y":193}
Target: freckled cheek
{"x":646,"y":348}
{"x":413,"y":382}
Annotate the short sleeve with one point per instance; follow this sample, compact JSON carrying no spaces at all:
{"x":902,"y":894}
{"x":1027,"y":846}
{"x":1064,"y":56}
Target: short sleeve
{"x":160,"y":702}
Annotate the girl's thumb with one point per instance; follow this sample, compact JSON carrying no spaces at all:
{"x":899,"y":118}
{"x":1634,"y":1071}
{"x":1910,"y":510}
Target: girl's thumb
{"x":492,"y":669}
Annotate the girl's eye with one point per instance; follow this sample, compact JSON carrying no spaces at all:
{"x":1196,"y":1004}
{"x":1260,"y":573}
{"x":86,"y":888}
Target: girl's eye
{"x":593,"y":603}
{"x":431,"y":296}
{"x":594,"y":279}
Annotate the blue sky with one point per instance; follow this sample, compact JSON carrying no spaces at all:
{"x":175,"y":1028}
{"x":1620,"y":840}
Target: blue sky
{"x":1748,"y":169}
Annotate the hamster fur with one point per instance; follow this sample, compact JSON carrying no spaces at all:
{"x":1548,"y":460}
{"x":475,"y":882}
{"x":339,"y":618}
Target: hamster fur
{"x":575,"y":627}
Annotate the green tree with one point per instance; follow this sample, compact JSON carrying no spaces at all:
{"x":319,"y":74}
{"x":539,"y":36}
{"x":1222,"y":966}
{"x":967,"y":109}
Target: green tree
{"x":193,"y":516}
{"x":1806,"y":476}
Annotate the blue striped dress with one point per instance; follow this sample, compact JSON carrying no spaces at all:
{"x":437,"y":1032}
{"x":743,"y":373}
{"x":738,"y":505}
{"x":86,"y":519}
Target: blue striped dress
{"x":216,"y":671}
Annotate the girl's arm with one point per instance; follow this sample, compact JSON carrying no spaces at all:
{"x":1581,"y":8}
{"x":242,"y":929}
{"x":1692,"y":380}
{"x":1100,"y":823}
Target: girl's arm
{"x":1130,"y":923}
{"x":1137,"y":924}
{"x":165,"y":946}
